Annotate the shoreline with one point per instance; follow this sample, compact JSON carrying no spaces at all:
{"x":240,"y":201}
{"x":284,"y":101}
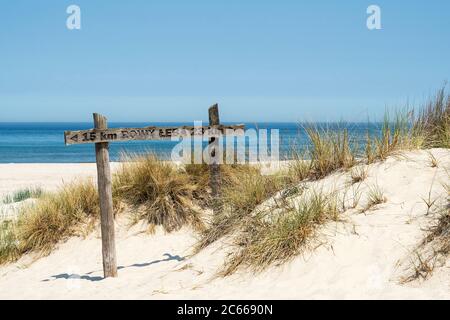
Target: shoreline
{"x":50,"y":176}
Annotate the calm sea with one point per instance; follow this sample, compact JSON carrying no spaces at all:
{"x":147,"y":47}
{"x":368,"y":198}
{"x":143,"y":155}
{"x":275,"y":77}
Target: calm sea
{"x":44,"y":142}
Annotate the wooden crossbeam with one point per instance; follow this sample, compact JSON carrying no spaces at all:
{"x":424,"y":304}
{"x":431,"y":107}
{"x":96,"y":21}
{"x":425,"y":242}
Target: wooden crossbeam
{"x":146,"y":133}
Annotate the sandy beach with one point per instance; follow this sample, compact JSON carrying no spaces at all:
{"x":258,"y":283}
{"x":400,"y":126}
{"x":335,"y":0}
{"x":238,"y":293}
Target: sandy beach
{"x":49,"y":177}
{"x":364,"y":256}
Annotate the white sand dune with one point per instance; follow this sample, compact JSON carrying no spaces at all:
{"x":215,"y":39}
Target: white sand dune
{"x":363,"y":258}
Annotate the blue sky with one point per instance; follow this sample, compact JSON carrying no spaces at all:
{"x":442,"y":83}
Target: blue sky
{"x":260,"y":60}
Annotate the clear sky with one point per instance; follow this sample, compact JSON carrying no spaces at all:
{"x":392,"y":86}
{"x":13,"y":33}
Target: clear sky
{"x":141,"y":60}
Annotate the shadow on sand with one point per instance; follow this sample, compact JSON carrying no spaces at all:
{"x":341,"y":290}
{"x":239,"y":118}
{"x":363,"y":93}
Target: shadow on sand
{"x":87,"y":276}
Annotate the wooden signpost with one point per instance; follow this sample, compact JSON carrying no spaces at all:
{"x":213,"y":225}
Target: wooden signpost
{"x":147,"y":133}
{"x":214,"y":169}
{"x":101,"y":136}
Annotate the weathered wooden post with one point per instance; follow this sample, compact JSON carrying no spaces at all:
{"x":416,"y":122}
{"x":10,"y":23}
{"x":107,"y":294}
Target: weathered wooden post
{"x":214,"y":168}
{"x":106,"y":202}
{"x":101,"y":136}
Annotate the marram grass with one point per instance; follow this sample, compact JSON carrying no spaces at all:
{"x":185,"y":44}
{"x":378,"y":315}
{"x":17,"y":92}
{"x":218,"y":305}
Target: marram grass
{"x":270,"y":241}
{"x":23,"y":194}
{"x":162,"y":193}
{"x":52,"y":218}
{"x":244,"y":188}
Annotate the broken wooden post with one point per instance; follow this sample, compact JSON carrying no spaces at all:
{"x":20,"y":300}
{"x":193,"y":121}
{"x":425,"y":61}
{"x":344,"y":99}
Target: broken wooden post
{"x":106,"y":201}
{"x":214,"y":168}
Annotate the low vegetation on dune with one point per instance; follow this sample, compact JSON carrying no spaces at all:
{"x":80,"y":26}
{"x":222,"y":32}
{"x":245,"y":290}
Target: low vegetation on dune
{"x":56,"y":216}
{"x":244,"y":188}
{"x":260,"y":242}
{"x":266,"y":233}
{"x":53,"y":218}
{"x":277,"y":235}
{"x":22,"y":195}
{"x":375,"y":197}
{"x":359,"y":174}
{"x":330,"y":150}
{"x":441,"y":231}
{"x":159,"y":192}
{"x":170,"y":196}
{"x":434,"y":249}
{"x":433,"y":122}
{"x":8,"y":243}
{"x":162,"y":193}
{"x":199,"y":176}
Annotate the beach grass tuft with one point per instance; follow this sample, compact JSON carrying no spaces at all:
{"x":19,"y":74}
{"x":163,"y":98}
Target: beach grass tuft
{"x":57,"y":216}
{"x":406,"y":131}
{"x":162,"y":193}
{"x":244,"y":188}
{"x":359,"y":174}
{"x":331,"y":150}
{"x":433,"y":121}
{"x":396,"y":134}
{"x":434,"y":249}
{"x":23,"y":194}
{"x":9,"y":250}
{"x":299,"y":167}
{"x":276,"y":239}
{"x":375,"y":196}
{"x":54,"y":217}
{"x":441,"y":231}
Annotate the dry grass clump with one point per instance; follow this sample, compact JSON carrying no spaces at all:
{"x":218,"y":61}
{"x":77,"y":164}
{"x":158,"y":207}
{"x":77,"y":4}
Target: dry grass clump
{"x":430,"y":129}
{"x":375,"y":196}
{"x":268,"y":239}
{"x":57,"y":216}
{"x":299,"y":166}
{"x":162,"y":193}
{"x":199,"y":176}
{"x":53,"y":218}
{"x":8,"y":242}
{"x":433,"y":121}
{"x":394,"y":135}
{"x":434,"y":163}
{"x":244,"y":188}
{"x":334,"y":149}
{"x":331,"y":150}
{"x":23,"y":194}
{"x":433,"y":251}
{"x":359,"y":174}
{"x":429,"y":201}
{"x":441,"y":232}
{"x":422,"y":268}
{"x":356,"y":196}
